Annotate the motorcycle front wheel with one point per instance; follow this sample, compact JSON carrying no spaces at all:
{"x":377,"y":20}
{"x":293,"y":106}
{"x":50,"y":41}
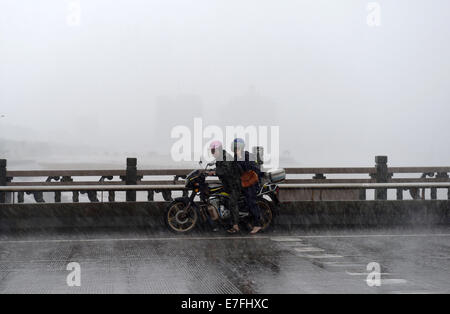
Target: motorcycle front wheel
{"x":180,"y":217}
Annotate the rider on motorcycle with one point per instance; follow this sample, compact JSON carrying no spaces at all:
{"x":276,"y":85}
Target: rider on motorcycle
{"x":229,"y":174}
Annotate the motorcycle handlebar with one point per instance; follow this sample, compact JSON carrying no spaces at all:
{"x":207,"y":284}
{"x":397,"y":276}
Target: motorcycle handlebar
{"x":177,"y":177}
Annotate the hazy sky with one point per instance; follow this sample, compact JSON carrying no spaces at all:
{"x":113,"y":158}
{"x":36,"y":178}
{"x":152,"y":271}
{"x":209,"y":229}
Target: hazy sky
{"x":340,"y":90}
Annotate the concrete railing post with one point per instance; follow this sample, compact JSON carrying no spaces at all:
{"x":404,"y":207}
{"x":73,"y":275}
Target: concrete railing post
{"x":381,"y":176}
{"x":131,"y":178}
{"x":111,"y":196}
{"x":362,"y":195}
{"x":400,"y":194}
{"x":20,"y":197}
{"x":433,"y":194}
{"x":3,"y":179}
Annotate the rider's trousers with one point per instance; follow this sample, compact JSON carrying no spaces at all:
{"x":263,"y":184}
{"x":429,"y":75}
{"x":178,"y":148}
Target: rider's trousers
{"x":250,"y":194}
{"x":234,"y":208}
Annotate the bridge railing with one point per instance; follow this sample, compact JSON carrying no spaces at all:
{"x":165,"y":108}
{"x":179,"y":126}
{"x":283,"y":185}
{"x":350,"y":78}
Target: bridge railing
{"x":318,"y":187}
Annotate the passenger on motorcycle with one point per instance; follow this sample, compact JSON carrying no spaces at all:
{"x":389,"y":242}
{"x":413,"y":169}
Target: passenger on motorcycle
{"x":229,"y":174}
{"x":250,"y":174}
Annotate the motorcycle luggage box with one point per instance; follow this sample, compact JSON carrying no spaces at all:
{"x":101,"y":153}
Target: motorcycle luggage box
{"x":276,"y":175}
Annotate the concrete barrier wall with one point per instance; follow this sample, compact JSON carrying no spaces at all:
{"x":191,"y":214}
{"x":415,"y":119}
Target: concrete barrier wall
{"x":291,"y":214}
{"x":364,"y":213}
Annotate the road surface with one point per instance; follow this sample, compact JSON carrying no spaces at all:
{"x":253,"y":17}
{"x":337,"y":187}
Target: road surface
{"x":315,"y":261}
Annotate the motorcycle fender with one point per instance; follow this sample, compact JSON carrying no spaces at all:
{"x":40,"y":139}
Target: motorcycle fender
{"x":276,"y":203}
{"x":185,"y":200}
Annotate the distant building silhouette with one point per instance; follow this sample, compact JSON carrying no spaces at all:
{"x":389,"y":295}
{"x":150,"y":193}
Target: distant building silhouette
{"x":250,"y":108}
{"x":170,"y":112}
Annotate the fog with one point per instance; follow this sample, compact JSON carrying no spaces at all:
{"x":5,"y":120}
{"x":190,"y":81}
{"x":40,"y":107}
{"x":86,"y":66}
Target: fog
{"x":340,"y":90}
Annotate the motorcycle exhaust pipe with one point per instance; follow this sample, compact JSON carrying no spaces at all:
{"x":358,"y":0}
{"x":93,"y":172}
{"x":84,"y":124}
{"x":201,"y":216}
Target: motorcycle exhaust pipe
{"x":213,"y":213}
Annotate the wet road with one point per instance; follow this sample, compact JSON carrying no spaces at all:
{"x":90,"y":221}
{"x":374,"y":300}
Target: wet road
{"x":411,"y":261}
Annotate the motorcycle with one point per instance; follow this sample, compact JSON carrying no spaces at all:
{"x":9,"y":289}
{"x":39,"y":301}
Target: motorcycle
{"x":184,"y":213}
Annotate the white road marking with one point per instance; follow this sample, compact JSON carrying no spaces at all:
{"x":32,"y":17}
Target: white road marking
{"x":364,"y":274}
{"x":220,"y":238}
{"x":378,"y":236}
{"x":286,"y":239}
{"x":343,"y":264}
{"x":417,"y":292}
{"x":392,"y":281}
{"x":308,"y":249}
{"x":294,"y":244}
{"x":321,"y":256}
{"x":439,"y":257}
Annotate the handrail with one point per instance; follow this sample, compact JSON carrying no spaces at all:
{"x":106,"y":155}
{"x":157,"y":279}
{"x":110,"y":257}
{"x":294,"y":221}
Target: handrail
{"x":288,"y":181}
{"x":70,"y":188}
{"x":64,"y":173}
{"x":418,"y":169}
{"x":169,"y":172}
{"x":350,"y":170}
{"x":367,"y":185}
